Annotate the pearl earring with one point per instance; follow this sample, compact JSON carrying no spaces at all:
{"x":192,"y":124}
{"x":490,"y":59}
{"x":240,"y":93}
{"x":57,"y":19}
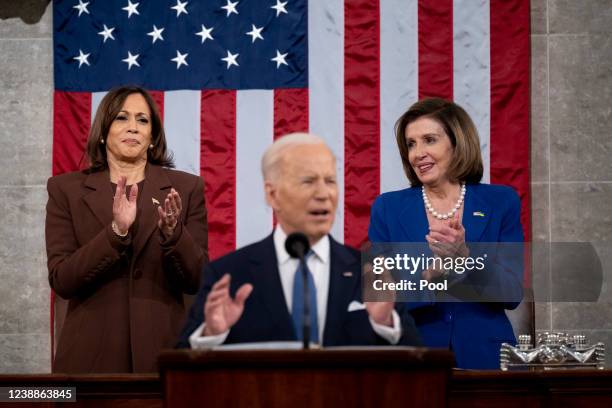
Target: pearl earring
{"x":101,"y":141}
{"x":151,"y":146}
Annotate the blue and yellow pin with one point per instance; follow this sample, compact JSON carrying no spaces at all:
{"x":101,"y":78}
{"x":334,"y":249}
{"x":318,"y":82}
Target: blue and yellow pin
{"x":478,"y":214}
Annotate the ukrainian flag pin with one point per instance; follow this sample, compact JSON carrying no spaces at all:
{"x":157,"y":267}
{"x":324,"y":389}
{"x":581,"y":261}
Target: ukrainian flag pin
{"x":478,"y":214}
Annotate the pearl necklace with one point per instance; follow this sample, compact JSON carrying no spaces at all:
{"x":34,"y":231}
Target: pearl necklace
{"x":449,"y":214}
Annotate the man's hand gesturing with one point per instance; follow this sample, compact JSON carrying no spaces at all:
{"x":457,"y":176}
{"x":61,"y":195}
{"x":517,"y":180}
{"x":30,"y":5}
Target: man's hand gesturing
{"x":221,"y":312}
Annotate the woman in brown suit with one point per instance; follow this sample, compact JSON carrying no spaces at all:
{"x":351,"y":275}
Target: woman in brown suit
{"x":126,"y":238}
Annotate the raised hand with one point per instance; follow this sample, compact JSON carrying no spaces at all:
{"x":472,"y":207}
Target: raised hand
{"x":381,"y":312}
{"x":169,"y":214}
{"x":124,"y":208}
{"x":221,"y":312}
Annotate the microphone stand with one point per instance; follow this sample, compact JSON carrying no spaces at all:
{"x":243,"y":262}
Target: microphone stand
{"x":297,"y":246}
{"x":306,"y":317}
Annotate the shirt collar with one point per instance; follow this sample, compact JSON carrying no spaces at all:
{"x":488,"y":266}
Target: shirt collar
{"x":320,"y":248}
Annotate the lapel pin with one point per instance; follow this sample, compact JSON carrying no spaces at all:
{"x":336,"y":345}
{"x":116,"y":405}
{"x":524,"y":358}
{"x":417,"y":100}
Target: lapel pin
{"x":155,"y":201}
{"x":347,"y":274}
{"x":478,"y":214}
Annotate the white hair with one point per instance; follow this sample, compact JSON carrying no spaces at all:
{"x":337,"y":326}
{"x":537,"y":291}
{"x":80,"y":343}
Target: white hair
{"x":273,"y":154}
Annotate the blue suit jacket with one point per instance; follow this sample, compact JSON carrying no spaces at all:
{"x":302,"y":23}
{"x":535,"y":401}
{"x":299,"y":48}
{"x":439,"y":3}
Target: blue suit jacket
{"x":266,"y":317}
{"x":474,"y":331}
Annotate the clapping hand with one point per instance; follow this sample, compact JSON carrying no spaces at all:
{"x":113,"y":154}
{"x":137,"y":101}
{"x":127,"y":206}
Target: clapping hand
{"x":169,"y":214}
{"x":221,"y":312}
{"x":448,"y":240}
{"x":124,"y":207}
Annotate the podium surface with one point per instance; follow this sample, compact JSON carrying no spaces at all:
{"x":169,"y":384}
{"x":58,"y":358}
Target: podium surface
{"x":352,"y":377}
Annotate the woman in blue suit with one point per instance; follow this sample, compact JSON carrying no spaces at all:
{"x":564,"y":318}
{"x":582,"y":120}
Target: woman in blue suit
{"x":448,"y":208}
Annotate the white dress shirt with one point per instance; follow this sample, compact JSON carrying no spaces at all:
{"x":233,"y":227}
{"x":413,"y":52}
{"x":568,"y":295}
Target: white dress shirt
{"x":319,"y":265}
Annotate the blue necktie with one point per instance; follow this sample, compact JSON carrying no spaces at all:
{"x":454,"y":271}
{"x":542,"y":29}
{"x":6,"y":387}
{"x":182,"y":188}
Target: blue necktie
{"x":297,"y":309}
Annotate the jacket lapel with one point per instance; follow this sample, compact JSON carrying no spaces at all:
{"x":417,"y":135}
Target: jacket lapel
{"x":341,"y":288}
{"x":99,"y":197}
{"x":413,"y":218}
{"x":156,"y":186}
{"x":264,"y":273}
{"x":476,"y":215}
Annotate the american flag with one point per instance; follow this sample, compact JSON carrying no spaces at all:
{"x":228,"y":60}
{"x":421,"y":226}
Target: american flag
{"x":231,"y":76}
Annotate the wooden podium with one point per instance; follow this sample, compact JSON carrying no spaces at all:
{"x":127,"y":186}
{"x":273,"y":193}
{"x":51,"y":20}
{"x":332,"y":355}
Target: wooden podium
{"x":350,"y":377}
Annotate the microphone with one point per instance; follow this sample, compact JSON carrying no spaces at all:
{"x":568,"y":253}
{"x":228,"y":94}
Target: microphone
{"x":297,"y":246}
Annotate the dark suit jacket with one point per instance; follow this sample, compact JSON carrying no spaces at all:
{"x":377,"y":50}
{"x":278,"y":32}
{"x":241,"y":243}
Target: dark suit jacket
{"x":125,"y":297}
{"x":474,"y":331}
{"x":266,"y":317}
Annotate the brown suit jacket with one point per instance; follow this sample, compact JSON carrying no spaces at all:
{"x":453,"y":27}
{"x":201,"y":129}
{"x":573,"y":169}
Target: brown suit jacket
{"x":125,"y":296}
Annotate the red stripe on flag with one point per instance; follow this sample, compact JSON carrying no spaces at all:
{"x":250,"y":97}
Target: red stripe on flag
{"x":158,"y":97}
{"x":71,"y":123}
{"x":435,"y":23}
{"x":361,"y":116}
{"x":510,"y":149}
{"x":218,"y":167}
{"x":290,"y":114}
{"x":290,"y":111}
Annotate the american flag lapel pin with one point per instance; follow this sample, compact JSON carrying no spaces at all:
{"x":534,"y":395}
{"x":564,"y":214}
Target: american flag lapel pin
{"x":347,"y":274}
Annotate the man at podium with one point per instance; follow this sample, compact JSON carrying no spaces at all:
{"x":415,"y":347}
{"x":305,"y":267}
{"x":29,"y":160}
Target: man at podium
{"x":256,"y":294}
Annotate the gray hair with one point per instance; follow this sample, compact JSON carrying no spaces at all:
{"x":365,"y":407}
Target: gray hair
{"x":273,"y":155}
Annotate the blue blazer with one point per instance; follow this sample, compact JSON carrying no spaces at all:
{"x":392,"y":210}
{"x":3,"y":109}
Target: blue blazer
{"x":266,"y":317}
{"x":474,"y":331}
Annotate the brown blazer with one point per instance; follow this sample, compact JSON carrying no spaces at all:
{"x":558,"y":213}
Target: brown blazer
{"x":125,"y":296}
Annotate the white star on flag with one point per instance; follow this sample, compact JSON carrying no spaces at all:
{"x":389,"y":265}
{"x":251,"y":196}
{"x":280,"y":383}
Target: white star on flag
{"x":230,"y":59}
{"x":82,"y":7}
{"x":255,"y":33}
{"x":107,"y":33}
{"x":131,"y":60}
{"x":180,"y":8}
{"x":131,"y":8}
{"x":82,"y":58}
{"x":180,"y":59}
{"x":205,"y":33}
{"x":156,"y":34}
{"x":280,"y":7}
{"x":280,"y":59}
{"x":230,"y":8}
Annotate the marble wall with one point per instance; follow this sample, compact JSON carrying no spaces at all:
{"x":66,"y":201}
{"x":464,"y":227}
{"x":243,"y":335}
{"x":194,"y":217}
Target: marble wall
{"x":571,"y":110}
{"x":571,"y":79}
{"x":26,"y":86}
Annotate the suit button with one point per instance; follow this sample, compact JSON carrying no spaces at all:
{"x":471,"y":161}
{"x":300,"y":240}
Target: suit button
{"x":137,"y":273}
{"x":448,"y":317}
